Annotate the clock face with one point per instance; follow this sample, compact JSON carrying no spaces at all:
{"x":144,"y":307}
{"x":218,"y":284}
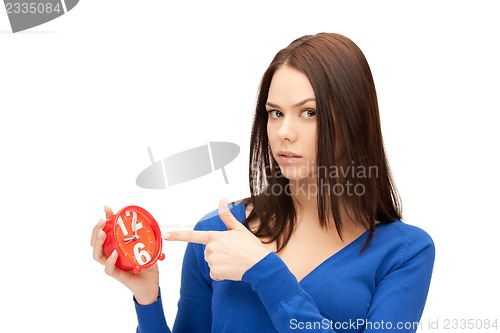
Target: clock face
{"x":136,"y":236}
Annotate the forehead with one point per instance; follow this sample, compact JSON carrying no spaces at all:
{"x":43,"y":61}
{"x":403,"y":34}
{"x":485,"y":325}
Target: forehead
{"x":289,"y":85}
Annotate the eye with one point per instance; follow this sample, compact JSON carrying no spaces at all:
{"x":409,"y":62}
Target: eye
{"x":308,"y":114}
{"x":275,"y":113}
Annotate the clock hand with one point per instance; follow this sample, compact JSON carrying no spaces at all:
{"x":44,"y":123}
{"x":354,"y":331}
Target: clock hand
{"x":133,"y":238}
{"x":134,"y":226}
{"x":129,"y":239}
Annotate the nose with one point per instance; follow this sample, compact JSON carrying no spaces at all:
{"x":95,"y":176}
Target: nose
{"x":287,"y":130}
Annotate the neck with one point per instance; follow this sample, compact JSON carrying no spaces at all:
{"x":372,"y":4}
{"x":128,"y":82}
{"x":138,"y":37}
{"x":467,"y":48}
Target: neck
{"x":304,"y":195}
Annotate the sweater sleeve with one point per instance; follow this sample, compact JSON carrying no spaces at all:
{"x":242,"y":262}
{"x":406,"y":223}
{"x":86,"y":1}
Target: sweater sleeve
{"x":398,"y":300}
{"x":151,"y":318}
{"x":194,"y":312}
{"x":194,"y":309}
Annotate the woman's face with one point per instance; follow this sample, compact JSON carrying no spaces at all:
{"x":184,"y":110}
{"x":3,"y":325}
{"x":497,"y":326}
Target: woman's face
{"x":291,"y":125}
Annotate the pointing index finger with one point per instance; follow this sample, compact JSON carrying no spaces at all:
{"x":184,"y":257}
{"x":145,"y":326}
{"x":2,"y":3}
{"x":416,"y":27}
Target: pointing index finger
{"x":192,"y":236}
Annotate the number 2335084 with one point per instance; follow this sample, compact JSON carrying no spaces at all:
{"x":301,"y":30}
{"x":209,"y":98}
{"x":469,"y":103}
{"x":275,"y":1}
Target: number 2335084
{"x":470,"y":324}
{"x":32,"y":8}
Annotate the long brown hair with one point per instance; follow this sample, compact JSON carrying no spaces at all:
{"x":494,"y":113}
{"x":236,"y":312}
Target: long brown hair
{"x":348,"y":112}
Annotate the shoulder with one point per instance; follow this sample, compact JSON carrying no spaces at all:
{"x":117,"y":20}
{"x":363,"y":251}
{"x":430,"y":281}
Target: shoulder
{"x":213,"y":222}
{"x":398,"y":246}
{"x":406,"y":239}
{"x":404,"y":231}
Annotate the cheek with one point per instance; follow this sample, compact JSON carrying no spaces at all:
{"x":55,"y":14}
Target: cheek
{"x":270,"y":129}
{"x":312,"y":142}
{"x":270,"y":133}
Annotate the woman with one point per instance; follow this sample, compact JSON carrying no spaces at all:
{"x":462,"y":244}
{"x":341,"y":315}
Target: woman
{"x":322,"y":247}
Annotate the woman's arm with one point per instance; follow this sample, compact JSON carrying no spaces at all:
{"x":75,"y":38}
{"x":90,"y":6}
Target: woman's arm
{"x":143,"y":285}
{"x":151,"y":318}
{"x":194,"y":312}
{"x":195,"y":305}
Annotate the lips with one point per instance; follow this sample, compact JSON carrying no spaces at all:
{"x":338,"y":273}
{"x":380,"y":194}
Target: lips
{"x":287,"y":157}
{"x":287,"y":154}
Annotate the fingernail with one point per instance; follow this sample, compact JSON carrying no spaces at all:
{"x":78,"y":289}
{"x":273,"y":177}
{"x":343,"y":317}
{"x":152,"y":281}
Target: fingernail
{"x":166,"y":235}
{"x":114,"y":254}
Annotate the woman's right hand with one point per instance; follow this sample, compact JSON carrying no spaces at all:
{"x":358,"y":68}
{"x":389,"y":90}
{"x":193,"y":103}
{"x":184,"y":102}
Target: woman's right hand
{"x":144,"y":285}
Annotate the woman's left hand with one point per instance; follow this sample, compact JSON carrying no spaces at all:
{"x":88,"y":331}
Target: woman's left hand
{"x":230,"y":253}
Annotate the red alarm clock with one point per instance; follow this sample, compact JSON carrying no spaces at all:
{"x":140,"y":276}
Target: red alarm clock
{"x":136,"y":236}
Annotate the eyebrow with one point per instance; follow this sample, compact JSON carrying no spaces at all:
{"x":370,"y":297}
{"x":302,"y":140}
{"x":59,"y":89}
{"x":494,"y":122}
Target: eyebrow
{"x":295,"y":105}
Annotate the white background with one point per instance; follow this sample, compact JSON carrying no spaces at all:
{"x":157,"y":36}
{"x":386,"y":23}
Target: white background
{"x":83,"y":96}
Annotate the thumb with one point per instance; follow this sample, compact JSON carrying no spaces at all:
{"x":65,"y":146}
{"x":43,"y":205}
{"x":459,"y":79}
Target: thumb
{"x":228,"y":218}
{"x":109,"y":212}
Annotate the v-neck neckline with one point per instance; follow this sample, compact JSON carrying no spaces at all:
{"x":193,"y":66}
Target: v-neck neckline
{"x":242,"y":213}
{"x":335,"y":255}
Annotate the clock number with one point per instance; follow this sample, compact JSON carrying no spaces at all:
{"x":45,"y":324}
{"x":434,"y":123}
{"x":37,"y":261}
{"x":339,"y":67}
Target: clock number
{"x":142,"y":256}
{"x":122,"y":226}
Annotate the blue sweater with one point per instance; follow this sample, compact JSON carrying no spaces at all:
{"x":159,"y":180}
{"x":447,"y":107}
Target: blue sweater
{"x":381,"y":289}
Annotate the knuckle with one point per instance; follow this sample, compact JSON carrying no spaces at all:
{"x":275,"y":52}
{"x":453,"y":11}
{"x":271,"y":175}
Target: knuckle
{"x":97,"y":255}
{"x":209,"y":248}
{"x":211,"y":236}
{"x":226,"y":213}
{"x":214,"y":274}
{"x":108,"y":270}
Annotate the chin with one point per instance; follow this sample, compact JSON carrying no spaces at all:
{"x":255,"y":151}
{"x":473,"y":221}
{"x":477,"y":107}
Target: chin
{"x":296,"y":173}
